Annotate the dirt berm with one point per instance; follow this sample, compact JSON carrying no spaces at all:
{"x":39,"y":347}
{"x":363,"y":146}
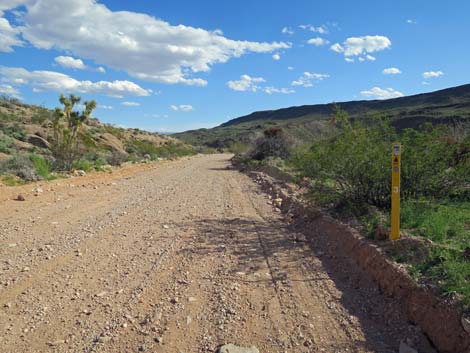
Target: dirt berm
{"x":345,"y":247}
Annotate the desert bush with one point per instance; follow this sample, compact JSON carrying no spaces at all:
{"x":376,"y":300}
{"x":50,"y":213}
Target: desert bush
{"x":140,"y":148}
{"x":7,"y":117}
{"x":239,"y":148}
{"x":116,"y":158}
{"x":353,"y":166}
{"x":273,"y":143}
{"x":113,"y":130}
{"x":21,"y":166}
{"x":174,"y":150}
{"x":6,"y":144}
{"x":83,"y":164}
{"x":28,"y":167}
{"x":9,"y":102}
{"x":429,"y":166}
{"x":15,"y":131}
{"x":42,"y":115}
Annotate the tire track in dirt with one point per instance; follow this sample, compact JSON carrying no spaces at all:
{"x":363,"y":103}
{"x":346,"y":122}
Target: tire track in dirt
{"x":178,"y":257}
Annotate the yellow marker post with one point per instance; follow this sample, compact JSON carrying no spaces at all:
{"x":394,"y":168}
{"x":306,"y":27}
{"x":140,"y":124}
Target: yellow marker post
{"x":395,"y":214}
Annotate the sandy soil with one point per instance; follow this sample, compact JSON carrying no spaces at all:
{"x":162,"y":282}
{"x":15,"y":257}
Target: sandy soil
{"x":175,"y":256}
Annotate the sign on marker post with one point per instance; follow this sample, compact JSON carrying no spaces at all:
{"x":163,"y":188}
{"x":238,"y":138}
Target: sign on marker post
{"x":395,"y":214}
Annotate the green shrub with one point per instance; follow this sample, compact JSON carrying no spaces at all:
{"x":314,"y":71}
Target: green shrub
{"x":353,"y":166}
{"x":83,"y":164}
{"x":7,"y":117}
{"x":239,"y":148}
{"x":12,"y":180}
{"x":113,"y":130}
{"x":42,"y":166}
{"x":42,"y":115}
{"x":441,"y":222}
{"x":142,"y":148}
{"x":6,"y":145}
{"x":100,"y":162}
{"x":21,"y":166}
{"x":15,"y":131}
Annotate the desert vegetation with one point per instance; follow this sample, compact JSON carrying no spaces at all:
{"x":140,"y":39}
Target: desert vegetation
{"x":347,"y":171}
{"x":37,"y":143}
{"x":305,"y":123}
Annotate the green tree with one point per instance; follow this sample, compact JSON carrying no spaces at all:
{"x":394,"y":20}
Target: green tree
{"x":67,"y":125}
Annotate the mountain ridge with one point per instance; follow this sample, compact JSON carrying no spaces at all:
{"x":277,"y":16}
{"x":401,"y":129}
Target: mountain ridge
{"x":351,"y":104}
{"x":445,"y":106}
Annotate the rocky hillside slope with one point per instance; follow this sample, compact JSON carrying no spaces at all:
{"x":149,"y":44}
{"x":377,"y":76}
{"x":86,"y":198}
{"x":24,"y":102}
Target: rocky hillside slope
{"x":27,"y":129}
{"x":448,"y":106}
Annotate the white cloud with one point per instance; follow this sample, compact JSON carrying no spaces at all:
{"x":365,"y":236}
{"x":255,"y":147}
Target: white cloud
{"x":308,"y":79}
{"x":130,"y":104}
{"x":70,"y":63}
{"x":337,"y":48}
{"x":391,"y":71}
{"x":287,"y":30}
{"x":349,"y":60}
{"x":144,"y":46}
{"x":54,"y":81}
{"x":290,"y":68}
{"x":105,"y":107}
{"x":318,"y":41}
{"x":156,"y":116}
{"x":252,"y":84}
{"x":320,"y":29}
{"x":182,"y":107}
{"x":370,"y":57}
{"x":8,"y":36}
{"x":276,"y":56}
{"x":432,"y":74}
{"x":412,"y":22}
{"x":271,"y":90}
{"x":246,"y":83}
{"x":381,"y":93}
{"x":356,"y":46}
{"x":9,"y":91}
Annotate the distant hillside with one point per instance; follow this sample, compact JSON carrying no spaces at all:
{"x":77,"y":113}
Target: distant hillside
{"x":27,"y":129}
{"x":446,"y":106}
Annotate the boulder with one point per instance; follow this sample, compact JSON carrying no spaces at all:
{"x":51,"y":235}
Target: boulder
{"x":37,"y":141}
{"x":466,"y":323}
{"x":79,"y":172}
{"x":112,"y":143}
{"x":21,"y":145}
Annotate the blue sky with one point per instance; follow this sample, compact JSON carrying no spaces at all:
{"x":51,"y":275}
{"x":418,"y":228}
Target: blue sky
{"x":179,"y":65}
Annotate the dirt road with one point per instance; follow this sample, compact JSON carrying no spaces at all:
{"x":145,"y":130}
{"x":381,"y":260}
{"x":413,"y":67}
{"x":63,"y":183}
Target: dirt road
{"x":173,"y":257}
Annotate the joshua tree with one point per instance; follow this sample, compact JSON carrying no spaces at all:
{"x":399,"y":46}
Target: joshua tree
{"x":67,"y":124}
